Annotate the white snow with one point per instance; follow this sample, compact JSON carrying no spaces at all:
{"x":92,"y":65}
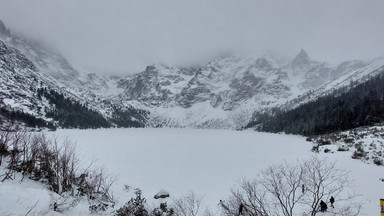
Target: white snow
{"x":18,"y":198}
{"x":207,"y":162}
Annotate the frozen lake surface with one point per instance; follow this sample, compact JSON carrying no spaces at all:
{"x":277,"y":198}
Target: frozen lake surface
{"x":207,"y":162}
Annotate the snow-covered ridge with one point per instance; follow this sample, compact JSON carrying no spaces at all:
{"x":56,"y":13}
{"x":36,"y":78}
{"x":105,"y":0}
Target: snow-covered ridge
{"x":225,"y":93}
{"x":27,"y":66}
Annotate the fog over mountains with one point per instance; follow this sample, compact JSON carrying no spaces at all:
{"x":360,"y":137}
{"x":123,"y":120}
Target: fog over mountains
{"x":123,"y":37}
{"x":171,"y":107}
{"x":225,"y":93}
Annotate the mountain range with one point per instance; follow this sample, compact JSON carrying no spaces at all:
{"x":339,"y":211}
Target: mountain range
{"x":227,"y":92}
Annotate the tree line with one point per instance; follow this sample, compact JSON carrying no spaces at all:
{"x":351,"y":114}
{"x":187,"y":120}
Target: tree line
{"x":362,"y":105}
{"x":29,"y":120}
{"x":68,"y":113}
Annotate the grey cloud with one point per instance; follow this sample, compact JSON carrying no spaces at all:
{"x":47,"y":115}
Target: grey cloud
{"x":122,"y":36}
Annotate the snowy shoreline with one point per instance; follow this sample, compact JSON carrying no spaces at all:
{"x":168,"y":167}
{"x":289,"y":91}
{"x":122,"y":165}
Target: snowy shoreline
{"x":207,"y":162}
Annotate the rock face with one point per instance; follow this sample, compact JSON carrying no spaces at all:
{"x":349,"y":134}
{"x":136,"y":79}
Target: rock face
{"x":26,"y":68}
{"x":3,"y":29}
{"x":18,"y":78}
{"x":220,"y":83}
{"x":225,"y":93}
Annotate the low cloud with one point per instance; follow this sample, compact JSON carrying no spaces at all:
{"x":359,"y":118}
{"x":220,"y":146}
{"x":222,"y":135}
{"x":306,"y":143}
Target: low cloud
{"x":124,"y":36}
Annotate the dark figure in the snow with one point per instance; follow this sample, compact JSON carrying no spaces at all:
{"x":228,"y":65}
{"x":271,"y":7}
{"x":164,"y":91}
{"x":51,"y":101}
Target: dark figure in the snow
{"x":241,"y":207}
{"x":323,"y":206}
{"x":221,"y":203}
{"x":55,"y":206}
{"x":302,"y":188}
{"x":332,"y":200}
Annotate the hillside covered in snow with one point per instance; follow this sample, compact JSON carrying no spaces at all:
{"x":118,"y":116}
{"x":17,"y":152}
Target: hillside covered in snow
{"x":40,"y":88}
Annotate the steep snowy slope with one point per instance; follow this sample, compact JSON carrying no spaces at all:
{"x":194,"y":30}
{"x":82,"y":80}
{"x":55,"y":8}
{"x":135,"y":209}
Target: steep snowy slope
{"x":225,"y":93}
{"x":207,"y":96}
{"x":28,"y":68}
{"x":345,"y":75}
{"x":19,"y":79}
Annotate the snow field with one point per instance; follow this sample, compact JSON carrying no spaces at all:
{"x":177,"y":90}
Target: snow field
{"x":207,"y":162}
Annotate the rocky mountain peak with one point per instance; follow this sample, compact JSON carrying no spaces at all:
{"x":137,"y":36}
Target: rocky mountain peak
{"x":266,"y":62}
{"x":222,"y":94}
{"x":3,"y":29}
{"x":150,"y":68}
{"x":302,"y":62}
{"x":302,"y":55}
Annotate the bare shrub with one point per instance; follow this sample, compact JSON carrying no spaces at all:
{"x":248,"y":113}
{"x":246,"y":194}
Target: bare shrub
{"x":188,"y":205}
{"x":97,"y":187}
{"x":283,"y":182}
{"x":323,"y":180}
{"x":55,"y":163}
{"x":280,"y":189}
{"x":253,"y":196}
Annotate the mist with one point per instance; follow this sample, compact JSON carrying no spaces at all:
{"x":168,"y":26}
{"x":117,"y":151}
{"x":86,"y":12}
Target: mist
{"x":122,"y":37}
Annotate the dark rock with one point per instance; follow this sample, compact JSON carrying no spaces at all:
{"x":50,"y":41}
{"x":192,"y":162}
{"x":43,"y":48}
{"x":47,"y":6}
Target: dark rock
{"x":161,"y":195}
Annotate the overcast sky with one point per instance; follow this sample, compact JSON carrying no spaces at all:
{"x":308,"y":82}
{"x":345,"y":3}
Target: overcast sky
{"x":123,"y":36}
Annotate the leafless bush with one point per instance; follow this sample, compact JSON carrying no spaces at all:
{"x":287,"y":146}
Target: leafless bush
{"x":98,"y":187}
{"x":279,"y":189}
{"x":276,"y":192}
{"x":253,"y":196}
{"x":10,"y":141}
{"x":54,"y":162}
{"x":323,"y":180}
{"x":284,"y":182}
{"x":64,"y":202}
{"x":188,"y":205}
{"x":208,"y":212}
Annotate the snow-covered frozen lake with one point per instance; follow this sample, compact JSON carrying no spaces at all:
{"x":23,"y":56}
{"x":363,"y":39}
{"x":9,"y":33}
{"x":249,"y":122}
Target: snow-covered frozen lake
{"x":207,"y":162}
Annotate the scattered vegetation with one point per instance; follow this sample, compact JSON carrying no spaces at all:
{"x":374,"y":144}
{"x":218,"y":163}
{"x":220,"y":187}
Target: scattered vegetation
{"x":54,"y":163}
{"x":278,"y":190}
{"x":189,"y":205}
{"x":365,"y":143}
{"x":135,"y":206}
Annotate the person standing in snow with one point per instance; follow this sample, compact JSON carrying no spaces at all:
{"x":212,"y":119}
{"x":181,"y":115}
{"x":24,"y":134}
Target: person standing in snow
{"x":323,"y":206}
{"x":221,"y":203}
{"x":241,"y":207}
{"x":332,"y":200}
